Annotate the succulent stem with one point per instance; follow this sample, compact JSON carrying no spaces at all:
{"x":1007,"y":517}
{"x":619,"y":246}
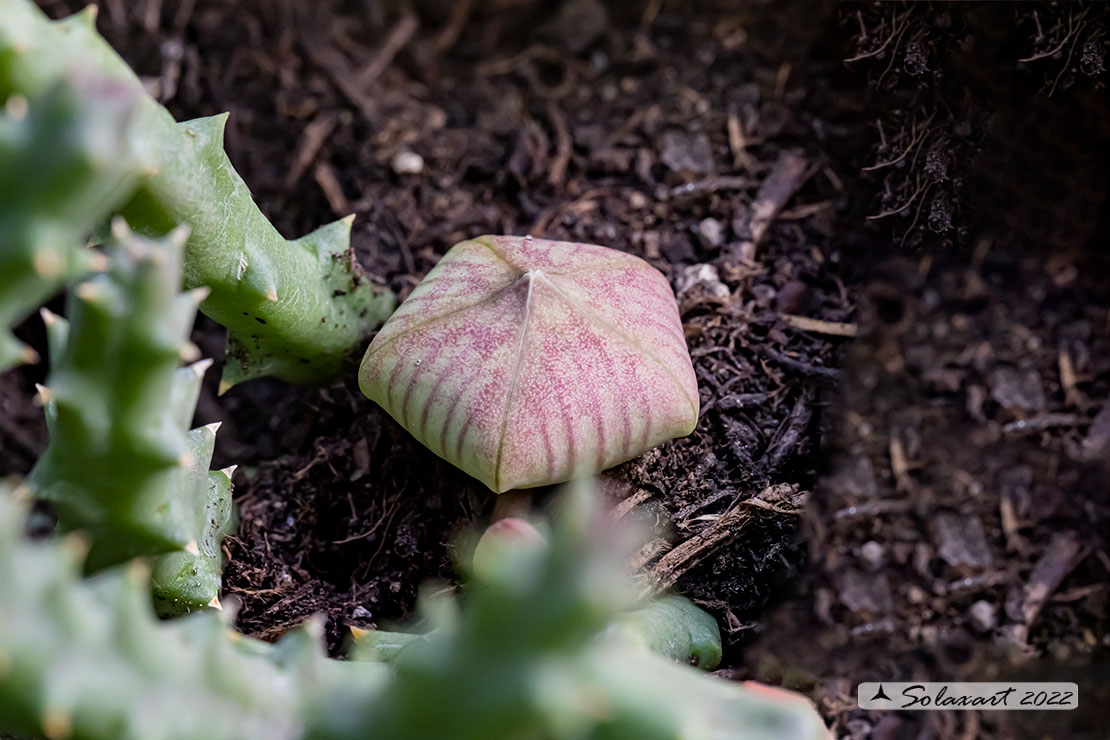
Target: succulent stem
{"x":294,"y":309}
{"x":63,"y":167}
{"x":121,"y":464}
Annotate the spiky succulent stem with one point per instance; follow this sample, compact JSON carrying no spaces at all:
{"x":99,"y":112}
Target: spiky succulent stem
{"x":520,"y":658}
{"x":89,"y":661}
{"x":121,"y":464}
{"x":63,"y":167}
{"x":294,"y":309}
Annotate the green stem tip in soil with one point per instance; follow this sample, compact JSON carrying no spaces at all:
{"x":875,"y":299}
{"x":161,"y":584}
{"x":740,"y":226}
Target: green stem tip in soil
{"x":63,"y":168}
{"x":294,"y":309}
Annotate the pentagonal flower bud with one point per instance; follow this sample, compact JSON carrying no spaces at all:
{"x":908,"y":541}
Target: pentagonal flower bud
{"x":527,"y":362}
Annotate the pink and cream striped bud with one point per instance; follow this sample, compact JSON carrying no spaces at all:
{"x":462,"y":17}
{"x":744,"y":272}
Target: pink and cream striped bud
{"x":527,"y":362}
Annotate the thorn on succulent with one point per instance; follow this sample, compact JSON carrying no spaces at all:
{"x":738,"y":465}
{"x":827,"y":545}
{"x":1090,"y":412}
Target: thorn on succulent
{"x":44,"y":396}
{"x":200,"y":367}
{"x":198,"y":295}
{"x":89,"y":292}
{"x":314,"y":626}
{"x":223,"y":388}
{"x":76,"y":546}
{"x":57,"y":724}
{"x":28,"y":356}
{"x":358,"y":632}
{"x":23,"y":494}
{"x":47,"y":263}
{"x":120,"y":230}
{"x":192,"y":548}
{"x":48,"y":316}
{"x":189,"y":352}
{"x":215,"y":604}
{"x":97,"y":262}
{"x":229,"y":471}
{"x":89,"y":14}
{"x":179,"y":236}
{"x":213,"y":427}
{"x":16,"y":107}
{"x":138,"y":571}
{"x":502,"y":542}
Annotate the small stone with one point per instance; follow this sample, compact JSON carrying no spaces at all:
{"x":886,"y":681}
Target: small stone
{"x":1017,"y":389}
{"x":867,"y":593}
{"x":698,"y":284}
{"x":793,"y":297}
{"x":873,"y":555}
{"x":858,"y":729}
{"x":686,"y":152}
{"x":361,"y":612}
{"x":960,"y":540}
{"x":853,"y":476}
{"x":983,"y":616}
{"x":407,"y":162}
{"x":712,"y":232}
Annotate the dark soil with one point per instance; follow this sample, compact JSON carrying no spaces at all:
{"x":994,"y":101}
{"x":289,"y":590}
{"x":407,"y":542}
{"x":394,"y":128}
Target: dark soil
{"x":947,"y":465}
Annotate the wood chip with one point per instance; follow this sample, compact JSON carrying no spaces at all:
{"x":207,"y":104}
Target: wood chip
{"x":1096,"y":445}
{"x":1068,"y":380}
{"x":398,"y":38}
{"x":336,"y":67}
{"x":333,"y":191}
{"x":1063,"y":553}
{"x":790,"y":171}
{"x":622,"y":509}
{"x":818,"y":326}
{"x":314,"y":136}
{"x":782,"y":498}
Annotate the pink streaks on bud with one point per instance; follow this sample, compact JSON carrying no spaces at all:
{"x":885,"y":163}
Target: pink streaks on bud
{"x":528,"y":362}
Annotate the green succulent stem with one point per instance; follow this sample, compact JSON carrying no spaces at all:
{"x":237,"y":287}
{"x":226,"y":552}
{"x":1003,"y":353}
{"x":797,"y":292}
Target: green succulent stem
{"x":674,"y":627}
{"x":122,"y":464}
{"x":520,"y":658}
{"x":88,"y":660}
{"x":294,"y":309}
{"x":63,"y":168}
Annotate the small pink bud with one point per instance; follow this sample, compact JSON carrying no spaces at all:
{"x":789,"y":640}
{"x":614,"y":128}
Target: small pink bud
{"x":501,"y":540}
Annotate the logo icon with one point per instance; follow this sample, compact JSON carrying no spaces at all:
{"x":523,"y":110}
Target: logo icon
{"x":880,"y":694}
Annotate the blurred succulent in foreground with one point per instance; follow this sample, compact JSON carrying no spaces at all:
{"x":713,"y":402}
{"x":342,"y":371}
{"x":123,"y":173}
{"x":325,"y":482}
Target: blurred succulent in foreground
{"x":671,"y":626}
{"x":88,"y":660}
{"x":527,"y":362}
{"x":121,"y":464}
{"x":523,"y":658}
{"x":63,"y":167}
{"x":519,"y":658}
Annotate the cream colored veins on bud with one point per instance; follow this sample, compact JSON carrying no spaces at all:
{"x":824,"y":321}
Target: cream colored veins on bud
{"x":527,"y":362}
